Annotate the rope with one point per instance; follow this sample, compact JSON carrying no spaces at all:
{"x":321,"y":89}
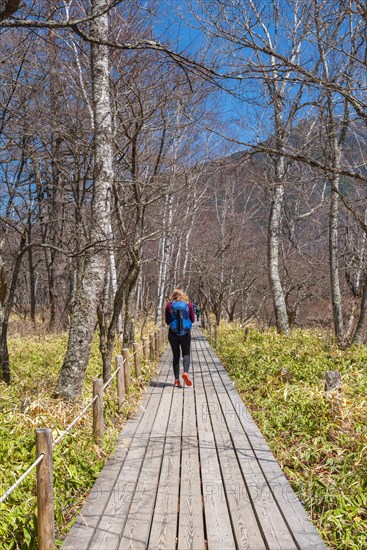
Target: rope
{"x":111,"y":378}
{"x":41,"y":456}
{"x":13,"y":487}
{"x":74,"y":422}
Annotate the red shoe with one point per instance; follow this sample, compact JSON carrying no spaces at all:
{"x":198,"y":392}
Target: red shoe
{"x":186,"y":377}
{"x":177,"y":384}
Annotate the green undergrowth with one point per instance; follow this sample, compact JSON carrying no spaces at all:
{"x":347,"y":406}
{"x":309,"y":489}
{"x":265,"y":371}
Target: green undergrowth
{"x":27,"y":404}
{"x":320,"y":443}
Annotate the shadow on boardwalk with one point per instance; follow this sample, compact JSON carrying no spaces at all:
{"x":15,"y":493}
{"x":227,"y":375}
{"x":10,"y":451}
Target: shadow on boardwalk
{"x":192,"y":471}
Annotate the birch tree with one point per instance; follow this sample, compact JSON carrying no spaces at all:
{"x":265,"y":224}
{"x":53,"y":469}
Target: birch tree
{"x":87,"y":294}
{"x":165,"y":256}
{"x":328,"y":32}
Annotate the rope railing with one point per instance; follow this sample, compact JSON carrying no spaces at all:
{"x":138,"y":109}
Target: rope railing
{"x":22,"y":478}
{"x":151,"y":349}
{"x":68,"y":428}
{"x":40,"y":458}
{"x":111,"y":378}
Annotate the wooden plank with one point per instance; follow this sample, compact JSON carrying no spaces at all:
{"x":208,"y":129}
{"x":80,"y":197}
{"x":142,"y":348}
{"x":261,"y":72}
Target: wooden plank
{"x":276,"y":489}
{"x":137,"y":528}
{"x":164,"y":525}
{"x":191,"y":524}
{"x":217,"y":519}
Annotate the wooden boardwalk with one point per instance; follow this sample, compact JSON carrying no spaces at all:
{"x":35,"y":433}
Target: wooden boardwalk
{"x":192,"y":471}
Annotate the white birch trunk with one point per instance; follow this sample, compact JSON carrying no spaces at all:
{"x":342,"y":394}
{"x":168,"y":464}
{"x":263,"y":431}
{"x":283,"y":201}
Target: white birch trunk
{"x":334,"y":262}
{"x":87,"y":294}
{"x":187,"y":264}
{"x":190,"y":217}
{"x":336,"y":297}
{"x":165,"y":257}
{"x":275,"y":225}
{"x":178,"y":258}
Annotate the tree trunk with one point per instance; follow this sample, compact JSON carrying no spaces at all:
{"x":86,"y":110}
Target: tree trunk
{"x":334,"y":262}
{"x":6,"y":303}
{"x":130,"y":299}
{"x":56,"y":202}
{"x":276,"y":219}
{"x":275,"y":223}
{"x":130,"y":314}
{"x":231,"y":311}
{"x":32,"y":279}
{"x":358,"y":335}
{"x":104,"y":312}
{"x":4,"y":356}
{"x":120,"y":297}
{"x":189,"y":226}
{"x":87,"y":294}
{"x":165,"y":257}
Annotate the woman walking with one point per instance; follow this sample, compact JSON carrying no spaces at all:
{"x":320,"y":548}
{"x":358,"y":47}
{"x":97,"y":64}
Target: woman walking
{"x":179,"y":316}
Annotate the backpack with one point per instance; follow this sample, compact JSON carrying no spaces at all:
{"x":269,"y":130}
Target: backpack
{"x":180,"y":322}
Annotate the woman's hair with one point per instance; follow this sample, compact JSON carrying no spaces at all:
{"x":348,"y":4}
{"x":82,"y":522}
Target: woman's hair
{"x":178,"y":295}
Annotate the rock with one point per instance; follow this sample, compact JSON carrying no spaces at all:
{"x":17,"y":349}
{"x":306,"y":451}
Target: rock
{"x":333,"y":381}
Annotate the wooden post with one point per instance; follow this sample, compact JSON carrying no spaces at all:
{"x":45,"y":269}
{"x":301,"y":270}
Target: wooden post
{"x":120,"y":382}
{"x":160,"y":341}
{"x":126,"y":356}
{"x":137,"y":359}
{"x":157,"y":350}
{"x":151,"y":347}
{"x":45,"y":490}
{"x":203,"y":319}
{"x":146,"y":349}
{"x":98,"y":422}
{"x":333,"y":390}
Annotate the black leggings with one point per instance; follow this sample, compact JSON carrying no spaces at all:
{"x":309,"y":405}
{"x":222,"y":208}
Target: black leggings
{"x":184,"y":343}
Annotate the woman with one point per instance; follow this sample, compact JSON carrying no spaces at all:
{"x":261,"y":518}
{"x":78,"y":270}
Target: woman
{"x":179,"y":316}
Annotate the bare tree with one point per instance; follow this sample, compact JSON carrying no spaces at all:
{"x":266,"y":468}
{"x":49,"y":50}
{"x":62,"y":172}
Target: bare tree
{"x":88,"y":292}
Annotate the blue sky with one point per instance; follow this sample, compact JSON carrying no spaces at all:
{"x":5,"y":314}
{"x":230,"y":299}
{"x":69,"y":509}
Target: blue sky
{"x":175,"y":24}
{"x":247,"y":119}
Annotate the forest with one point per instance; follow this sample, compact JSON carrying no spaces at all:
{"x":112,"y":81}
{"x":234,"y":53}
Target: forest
{"x":215,"y":146}
{"x":233,"y":167}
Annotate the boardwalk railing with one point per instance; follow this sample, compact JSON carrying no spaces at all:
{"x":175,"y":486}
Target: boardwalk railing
{"x":151,"y":349}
